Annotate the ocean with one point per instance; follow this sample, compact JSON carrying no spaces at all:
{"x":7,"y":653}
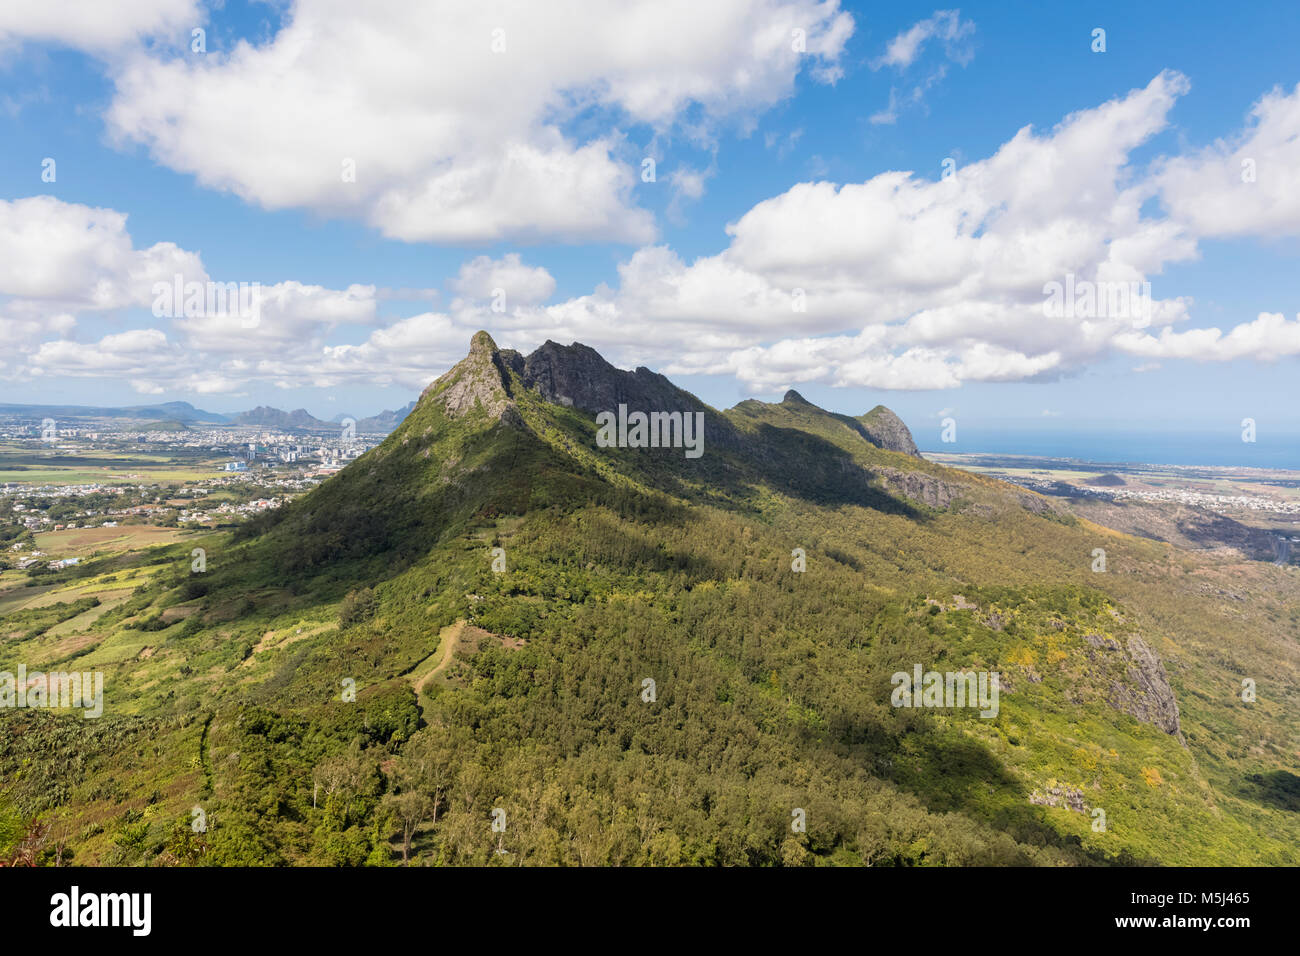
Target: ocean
{"x":1269,"y":450}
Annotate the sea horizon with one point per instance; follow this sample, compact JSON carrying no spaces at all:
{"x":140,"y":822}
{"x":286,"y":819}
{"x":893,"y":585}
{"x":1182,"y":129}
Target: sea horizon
{"x":1216,"y":450}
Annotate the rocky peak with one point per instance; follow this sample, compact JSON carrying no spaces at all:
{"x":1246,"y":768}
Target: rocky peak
{"x":577,"y":376}
{"x":478,"y":380}
{"x":886,"y":430}
{"x":482,"y":343}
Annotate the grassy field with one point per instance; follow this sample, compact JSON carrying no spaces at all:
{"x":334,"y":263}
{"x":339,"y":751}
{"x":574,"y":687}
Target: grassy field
{"x":82,"y":542}
{"x":36,"y":466}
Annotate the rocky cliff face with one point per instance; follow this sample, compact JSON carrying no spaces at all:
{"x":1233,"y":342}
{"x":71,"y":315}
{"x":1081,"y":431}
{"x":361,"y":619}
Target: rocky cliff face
{"x":578,"y":376}
{"x":1149,"y":698}
{"x":886,"y":430}
{"x":919,"y":487}
{"x":479,"y":379}
{"x":1146,"y":693}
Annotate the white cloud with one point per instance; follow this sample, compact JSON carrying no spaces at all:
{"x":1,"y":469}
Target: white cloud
{"x":410,"y":353}
{"x":284,"y":315}
{"x":451,"y":141}
{"x":59,"y":261}
{"x":133,"y":354}
{"x":1268,"y":338}
{"x":947,"y":26}
{"x":57,"y":254}
{"x":906,"y":282}
{"x":95,"y":25}
{"x":480,"y":278}
{"x":783,"y":144}
{"x":1248,"y":185}
{"x":687,"y":186}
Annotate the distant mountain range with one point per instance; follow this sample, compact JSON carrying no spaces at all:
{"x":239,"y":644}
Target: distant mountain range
{"x":276,"y":418}
{"x":167,"y":411}
{"x":186,"y":414}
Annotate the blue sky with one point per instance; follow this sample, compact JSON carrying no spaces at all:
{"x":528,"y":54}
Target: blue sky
{"x":520,"y":170}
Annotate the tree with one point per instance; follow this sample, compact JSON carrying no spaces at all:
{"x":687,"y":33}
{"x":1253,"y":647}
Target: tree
{"x":412,"y":808}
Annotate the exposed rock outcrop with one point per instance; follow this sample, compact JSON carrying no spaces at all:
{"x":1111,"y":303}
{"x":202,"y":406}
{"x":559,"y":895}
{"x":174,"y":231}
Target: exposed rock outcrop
{"x":577,"y":376}
{"x":478,"y":380}
{"x":1150,"y":698}
{"x":920,"y":487}
{"x":1068,"y":797}
{"x":1146,"y":694}
{"x":886,"y":430}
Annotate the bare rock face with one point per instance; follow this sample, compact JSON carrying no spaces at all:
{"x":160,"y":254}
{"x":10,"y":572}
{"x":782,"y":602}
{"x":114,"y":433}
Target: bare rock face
{"x":886,"y":430}
{"x":478,"y":380}
{"x":1069,"y":797}
{"x":1147,"y":695}
{"x":919,"y":487}
{"x":577,"y":376}
{"x":1102,"y":642}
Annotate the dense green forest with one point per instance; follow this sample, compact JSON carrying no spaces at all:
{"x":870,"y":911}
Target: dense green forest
{"x":442,"y":656}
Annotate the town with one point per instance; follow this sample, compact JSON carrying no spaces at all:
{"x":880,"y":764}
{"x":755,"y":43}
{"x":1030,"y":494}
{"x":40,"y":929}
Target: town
{"x":94,"y":474}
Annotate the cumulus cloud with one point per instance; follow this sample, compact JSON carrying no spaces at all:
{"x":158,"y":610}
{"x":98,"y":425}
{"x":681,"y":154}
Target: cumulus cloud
{"x":135,"y":353}
{"x":59,"y":261}
{"x":903,"y":282}
{"x":93,"y":25}
{"x":907,"y":283}
{"x":1268,"y":338}
{"x":1247,"y":185}
{"x":449,"y":123}
{"x":482,"y":278}
{"x":898,"y":282}
{"x":65,"y":255}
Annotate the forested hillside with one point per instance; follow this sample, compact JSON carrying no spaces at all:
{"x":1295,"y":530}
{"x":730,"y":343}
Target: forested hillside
{"x":609,"y":654}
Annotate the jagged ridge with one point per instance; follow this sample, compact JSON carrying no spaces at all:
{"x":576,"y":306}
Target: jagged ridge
{"x":577,"y":376}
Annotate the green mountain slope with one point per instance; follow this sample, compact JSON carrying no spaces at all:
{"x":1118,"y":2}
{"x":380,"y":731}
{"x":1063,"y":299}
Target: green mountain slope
{"x":498,"y":590}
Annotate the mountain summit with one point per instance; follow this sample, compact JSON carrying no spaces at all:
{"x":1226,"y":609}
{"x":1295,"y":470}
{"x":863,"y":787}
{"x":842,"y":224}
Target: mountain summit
{"x":577,"y":376}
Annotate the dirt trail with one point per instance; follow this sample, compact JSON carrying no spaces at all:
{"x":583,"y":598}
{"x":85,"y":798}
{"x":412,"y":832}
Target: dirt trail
{"x":448,"y":638}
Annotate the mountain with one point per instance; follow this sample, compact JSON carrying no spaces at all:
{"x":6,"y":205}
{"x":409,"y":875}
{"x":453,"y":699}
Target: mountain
{"x":644,"y":657}
{"x":301,"y":419}
{"x":384,"y":422}
{"x":167,"y":411}
{"x":275,"y":418}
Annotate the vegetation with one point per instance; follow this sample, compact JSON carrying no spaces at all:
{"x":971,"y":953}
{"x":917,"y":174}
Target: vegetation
{"x":293,"y":693}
